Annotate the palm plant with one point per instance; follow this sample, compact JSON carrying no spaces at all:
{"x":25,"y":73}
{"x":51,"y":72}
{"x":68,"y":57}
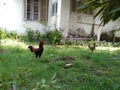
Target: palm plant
{"x":108,"y":9}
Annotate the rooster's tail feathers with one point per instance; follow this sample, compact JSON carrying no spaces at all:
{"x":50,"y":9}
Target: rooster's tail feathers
{"x":31,"y":48}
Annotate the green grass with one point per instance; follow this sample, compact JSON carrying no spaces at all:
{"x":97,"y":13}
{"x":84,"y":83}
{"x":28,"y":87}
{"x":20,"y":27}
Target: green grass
{"x":90,"y":71}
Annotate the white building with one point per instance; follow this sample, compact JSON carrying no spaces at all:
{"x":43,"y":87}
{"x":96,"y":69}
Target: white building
{"x":63,"y":14}
{"x":15,"y":14}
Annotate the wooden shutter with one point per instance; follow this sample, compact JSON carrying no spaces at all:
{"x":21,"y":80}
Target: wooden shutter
{"x":25,"y":9}
{"x":43,"y":10}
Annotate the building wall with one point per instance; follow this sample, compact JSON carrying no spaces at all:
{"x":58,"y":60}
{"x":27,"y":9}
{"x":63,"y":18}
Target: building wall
{"x":52,"y":20}
{"x":12,"y":16}
{"x":80,"y":21}
{"x":65,"y":17}
{"x":65,"y":20}
{"x":61,"y":19}
{"x":84,"y":22}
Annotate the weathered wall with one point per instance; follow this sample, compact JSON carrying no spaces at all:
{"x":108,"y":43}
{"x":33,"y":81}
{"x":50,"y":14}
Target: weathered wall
{"x":80,"y":21}
{"x":112,"y":26}
{"x":84,"y":22}
{"x":12,"y":16}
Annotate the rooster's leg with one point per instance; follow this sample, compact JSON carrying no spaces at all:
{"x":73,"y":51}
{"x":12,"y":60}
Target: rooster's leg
{"x":39,"y":56}
{"x":36,"y":56}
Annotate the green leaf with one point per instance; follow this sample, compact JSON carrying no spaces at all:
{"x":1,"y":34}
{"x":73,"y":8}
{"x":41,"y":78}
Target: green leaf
{"x":109,"y":9}
{"x":57,"y":86}
{"x":53,"y":77}
{"x":85,"y":7}
{"x":43,"y":81}
{"x":1,"y":85}
{"x":115,"y":10}
{"x":99,"y":12}
{"x":43,"y":86}
{"x":54,"y":81}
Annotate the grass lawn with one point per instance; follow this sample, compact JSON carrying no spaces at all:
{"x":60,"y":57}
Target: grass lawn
{"x":99,"y":70}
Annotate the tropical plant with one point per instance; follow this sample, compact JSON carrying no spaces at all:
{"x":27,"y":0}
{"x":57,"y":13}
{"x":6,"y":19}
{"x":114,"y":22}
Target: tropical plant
{"x":30,"y":34}
{"x":2,"y":33}
{"x":48,"y":84}
{"x":13,"y":34}
{"x":56,"y":36}
{"x":107,"y":10}
{"x":38,"y":35}
{"x":53,"y":37}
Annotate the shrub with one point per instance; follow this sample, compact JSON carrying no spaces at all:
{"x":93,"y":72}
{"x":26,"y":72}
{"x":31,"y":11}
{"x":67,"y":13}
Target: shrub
{"x":37,"y":35}
{"x":47,"y":37}
{"x":2,"y":33}
{"x":22,"y":37}
{"x":13,"y":34}
{"x":56,"y":36}
{"x":6,"y":34}
{"x":29,"y":34}
{"x":68,"y":42}
{"x":53,"y":37}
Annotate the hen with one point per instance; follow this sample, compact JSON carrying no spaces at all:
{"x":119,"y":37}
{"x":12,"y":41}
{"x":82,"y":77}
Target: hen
{"x":38,"y":51}
{"x":92,"y":46}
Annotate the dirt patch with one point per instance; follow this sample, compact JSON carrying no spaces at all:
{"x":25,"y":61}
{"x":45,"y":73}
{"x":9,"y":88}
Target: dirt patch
{"x":66,"y":59}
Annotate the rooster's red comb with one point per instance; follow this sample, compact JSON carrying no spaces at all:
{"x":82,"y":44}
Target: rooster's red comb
{"x":41,"y":41}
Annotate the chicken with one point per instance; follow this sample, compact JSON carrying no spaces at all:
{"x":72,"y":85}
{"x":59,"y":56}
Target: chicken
{"x":38,"y":51}
{"x":92,"y":46}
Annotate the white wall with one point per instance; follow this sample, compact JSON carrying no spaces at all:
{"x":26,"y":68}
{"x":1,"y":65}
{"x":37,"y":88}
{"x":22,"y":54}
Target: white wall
{"x":66,"y":20}
{"x":52,"y":20}
{"x":12,"y":16}
{"x":81,"y":21}
{"x":61,"y":19}
{"x":65,"y":17}
{"x":111,"y":26}
{"x":72,"y":21}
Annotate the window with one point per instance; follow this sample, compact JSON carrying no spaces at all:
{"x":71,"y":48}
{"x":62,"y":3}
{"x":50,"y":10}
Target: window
{"x":32,"y":9}
{"x":35,"y":10}
{"x":44,"y":10}
{"x":75,"y":4}
{"x":54,"y":8}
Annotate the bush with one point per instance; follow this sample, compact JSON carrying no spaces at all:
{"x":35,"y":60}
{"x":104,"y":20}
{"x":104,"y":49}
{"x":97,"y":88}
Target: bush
{"x":13,"y":35}
{"x":53,"y":37}
{"x":2,"y":33}
{"x":47,"y":36}
{"x":22,"y":37}
{"x":5,"y":34}
{"x":29,"y":34}
{"x":56,"y":37}
{"x":32,"y":35}
{"x":37,"y":35}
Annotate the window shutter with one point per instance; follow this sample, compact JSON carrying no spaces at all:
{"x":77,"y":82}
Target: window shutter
{"x":25,"y":9}
{"x":43,"y":10}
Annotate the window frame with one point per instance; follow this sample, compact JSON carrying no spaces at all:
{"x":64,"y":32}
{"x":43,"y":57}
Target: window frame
{"x":54,"y":8}
{"x":40,"y":11}
{"x":32,"y":13}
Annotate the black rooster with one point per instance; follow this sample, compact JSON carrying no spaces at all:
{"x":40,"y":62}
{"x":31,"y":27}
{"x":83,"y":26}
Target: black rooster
{"x":38,"y":51}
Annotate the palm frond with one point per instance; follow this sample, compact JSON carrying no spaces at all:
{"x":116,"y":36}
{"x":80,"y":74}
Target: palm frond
{"x":107,"y":9}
